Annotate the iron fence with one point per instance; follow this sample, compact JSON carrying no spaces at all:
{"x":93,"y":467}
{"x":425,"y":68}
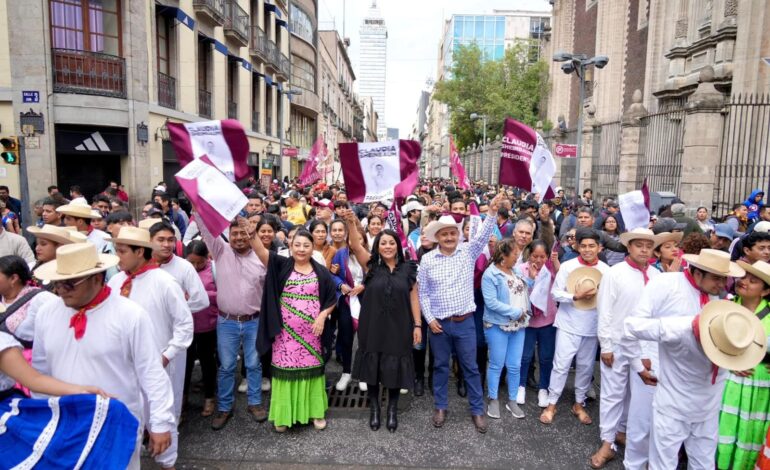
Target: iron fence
{"x":565,"y":166}
{"x":88,"y":73}
{"x":606,"y":159}
{"x":744,"y":163}
{"x":204,"y":103}
{"x":661,"y":141}
{"x":255,"y":121}
{"x":166,"y":90}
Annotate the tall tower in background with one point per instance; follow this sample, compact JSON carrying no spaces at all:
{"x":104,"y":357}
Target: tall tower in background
{"x":372,"y":58}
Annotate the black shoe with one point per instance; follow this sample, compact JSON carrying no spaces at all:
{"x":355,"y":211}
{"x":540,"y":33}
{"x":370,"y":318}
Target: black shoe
{"x":461,"y":390}
{"x":374,"y":416}
{"x":419,"y":387}
{"x":392,"y":418}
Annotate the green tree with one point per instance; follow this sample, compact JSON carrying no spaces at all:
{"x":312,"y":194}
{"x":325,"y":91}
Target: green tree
{"x":511,"y":87}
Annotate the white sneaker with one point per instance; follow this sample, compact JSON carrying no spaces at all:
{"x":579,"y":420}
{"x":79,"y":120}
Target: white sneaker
{"x":591,"y":393}
{"x":266,"y":385}
{"x":343,"y":382}
{"x":244,"y":386}
{"x":362,"y":386}
{"x":542,"y":398}
{"x":404,"y":391}
{"x":521,"y":396}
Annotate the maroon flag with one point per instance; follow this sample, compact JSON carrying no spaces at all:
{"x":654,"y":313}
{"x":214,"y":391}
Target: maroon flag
{"x":458,"y":170}
{"x":525,"y":161}
{"x":224,"y":142}
{"x":377,"y":171}
{"x":310,"y":172}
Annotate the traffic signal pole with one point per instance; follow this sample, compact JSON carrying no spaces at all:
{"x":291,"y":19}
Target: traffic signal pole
{"x":24,"y":185}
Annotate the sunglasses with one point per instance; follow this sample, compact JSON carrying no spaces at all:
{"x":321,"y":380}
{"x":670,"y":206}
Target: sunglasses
{"x":69,"y":284}
{"x":569,"y":237}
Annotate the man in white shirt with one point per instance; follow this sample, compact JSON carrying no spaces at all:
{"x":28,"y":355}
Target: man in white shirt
{"x":576,"y":327}
{"x":12,"y":244}
{"x":163,"y":243}
{"x":669,"y":294}
{"x":619,"y":293}
{"x":160,"y":295}
{"x":695,"y":355}
{"x":80,"y":216}
{"x":93,"y":335}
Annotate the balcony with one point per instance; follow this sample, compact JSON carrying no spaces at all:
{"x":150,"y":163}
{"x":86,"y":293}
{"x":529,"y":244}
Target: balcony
{"x":166,"y":91}
{"x":214,"y":10}
{"x":258,"y":43}
{"x":236,"y":25}
{"x":272,"y":55}
{"x":269,"y":125}
{"x":255,"y":121}
{"x":283,"y":66}
{"x":204,"y":103}
{"x":232,"y":110}
{"x":88,"y":73}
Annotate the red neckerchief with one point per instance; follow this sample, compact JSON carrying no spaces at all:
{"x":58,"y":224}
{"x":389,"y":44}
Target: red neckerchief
{"x":643,"y":270}
{"x":90,"y":229}
{"x":585,"y":263}
{"x":704,"y":297}
{"x":125,"y":288}
{"x":79,"y":319}
{"x":696,"y":331}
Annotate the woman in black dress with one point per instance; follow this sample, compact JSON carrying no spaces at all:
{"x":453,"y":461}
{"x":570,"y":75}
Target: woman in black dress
{"x":390,"y":322}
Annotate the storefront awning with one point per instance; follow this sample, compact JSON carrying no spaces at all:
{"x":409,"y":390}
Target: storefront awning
{"x":176,"y":13}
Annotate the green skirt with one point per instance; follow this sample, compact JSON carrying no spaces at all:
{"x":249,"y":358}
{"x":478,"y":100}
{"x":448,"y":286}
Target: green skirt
{"x":743,"y":421}
{"x":297,"y":401}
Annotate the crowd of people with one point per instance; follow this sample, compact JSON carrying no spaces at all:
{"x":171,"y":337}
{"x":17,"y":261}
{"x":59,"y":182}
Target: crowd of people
{"x":112,"y":312}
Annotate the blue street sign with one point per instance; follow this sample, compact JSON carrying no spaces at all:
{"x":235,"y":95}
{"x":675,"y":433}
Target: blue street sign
{"x":30,"y":96}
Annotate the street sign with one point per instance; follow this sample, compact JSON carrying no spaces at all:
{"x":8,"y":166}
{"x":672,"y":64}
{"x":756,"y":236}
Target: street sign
{"x":565,"y":151}
{"x":30,"y":96}
{"x":290,"y":151}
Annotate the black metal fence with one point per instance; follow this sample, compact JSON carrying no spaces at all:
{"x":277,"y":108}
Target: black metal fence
{"x":565,"y":166}
{"x":661,"y":141}
{"x":745,"y":151}
{"x":606,"y":159}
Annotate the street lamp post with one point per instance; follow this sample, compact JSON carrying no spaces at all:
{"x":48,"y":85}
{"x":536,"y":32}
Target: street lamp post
{"x":483,"y":118}
{"x":578,"y":63}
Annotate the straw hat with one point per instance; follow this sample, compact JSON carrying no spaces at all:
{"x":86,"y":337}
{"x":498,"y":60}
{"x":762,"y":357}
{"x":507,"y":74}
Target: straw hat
{"x":75,"y":260}
{"x":445,"y":221}
{"x":638,"y":234}
{"x":147,"y":223}
{"x":759,"y":269}
{"x":716,"y":262}
{"x":731,"y":335}
{"x":79,"y":210}
{"x":134,"y":236}
{"x":56,"y":234}
{"x":665,"y":237}
{"x":584,"y":276}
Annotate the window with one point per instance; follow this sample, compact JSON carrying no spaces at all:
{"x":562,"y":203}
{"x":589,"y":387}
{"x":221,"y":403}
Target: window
{"x":204,"y":63}
{"x":302,"y":73}
{"x":86,"y":25}
{"x":301,"y":24}
{"x":163,"y":40}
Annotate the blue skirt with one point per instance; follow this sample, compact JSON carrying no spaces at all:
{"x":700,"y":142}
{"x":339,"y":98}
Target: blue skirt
{"x":77,"y":431}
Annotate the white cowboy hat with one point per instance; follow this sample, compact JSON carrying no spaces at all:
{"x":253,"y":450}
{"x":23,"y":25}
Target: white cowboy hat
{"x":149,"y":222}
{"x":73,"y":261}
{"x":445,"y":221}
{"x":759,"y":269}
{"x":731,"y":335}
{"x":411,"y":206}
{"x":762,"y":226}
{"x":79,"y":210}
{"x":134,"y":236}
{"x":638,"y":234}
{"x":664,"y":237}
{"x":56,"y":234}
{"x":584,"y":275}
{"x":716,"y":262}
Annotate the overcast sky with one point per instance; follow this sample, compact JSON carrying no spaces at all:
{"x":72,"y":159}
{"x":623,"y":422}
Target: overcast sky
{"x":414,"y":32}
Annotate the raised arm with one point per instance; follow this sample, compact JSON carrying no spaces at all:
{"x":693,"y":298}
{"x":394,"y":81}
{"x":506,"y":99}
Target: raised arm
{"x":354,"y":238}
{"x":256,"y":244}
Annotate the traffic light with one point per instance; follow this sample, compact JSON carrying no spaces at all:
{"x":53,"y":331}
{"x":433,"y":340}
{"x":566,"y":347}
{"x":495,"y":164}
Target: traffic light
{"x":10,"y":153}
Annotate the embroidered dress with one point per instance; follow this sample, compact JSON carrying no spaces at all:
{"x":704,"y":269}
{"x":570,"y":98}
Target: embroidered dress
{"x":298,"y":383}
{"x":743,"y":421}
{"x":76,"y":431}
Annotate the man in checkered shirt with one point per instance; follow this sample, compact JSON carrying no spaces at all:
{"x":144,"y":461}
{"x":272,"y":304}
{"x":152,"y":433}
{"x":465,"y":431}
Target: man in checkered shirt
{"x":445,"y":283}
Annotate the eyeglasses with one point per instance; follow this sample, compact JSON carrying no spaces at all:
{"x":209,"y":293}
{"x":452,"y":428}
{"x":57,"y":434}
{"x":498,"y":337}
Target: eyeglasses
{"x":569,"y":237}
{"x":69,"y":284}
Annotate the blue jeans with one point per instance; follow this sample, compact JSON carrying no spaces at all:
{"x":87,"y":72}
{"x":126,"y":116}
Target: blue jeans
{"x":545,"y":336}
{"x":459,"y":337}
{"x":505,"y":349}
{"x":231,"y":335}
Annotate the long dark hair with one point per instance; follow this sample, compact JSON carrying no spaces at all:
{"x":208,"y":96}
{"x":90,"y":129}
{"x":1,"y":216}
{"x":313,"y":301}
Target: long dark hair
{"x":375,"y":259}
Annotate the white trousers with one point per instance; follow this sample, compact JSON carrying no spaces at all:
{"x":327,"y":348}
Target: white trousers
{"x":568,"y":346}
{"x":639,"y":417}
{"x":613,"y":402}
{"x":175,"y":370}
{"x":668,"y":434}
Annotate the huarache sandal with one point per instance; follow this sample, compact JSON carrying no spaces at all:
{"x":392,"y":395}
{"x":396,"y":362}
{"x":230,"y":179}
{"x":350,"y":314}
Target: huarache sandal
{"x":580,"y":412}
{"x":601,"y":457}
{"x":546,"y":417}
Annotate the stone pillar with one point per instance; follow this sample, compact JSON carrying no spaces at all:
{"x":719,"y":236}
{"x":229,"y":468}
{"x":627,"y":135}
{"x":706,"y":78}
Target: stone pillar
{"x":587,"y":151}
{"x":630,"y":144}
{"x":702,"y":136}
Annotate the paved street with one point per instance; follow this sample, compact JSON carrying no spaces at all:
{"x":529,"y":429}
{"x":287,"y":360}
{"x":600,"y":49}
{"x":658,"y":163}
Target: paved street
{"x":348,"y":442}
